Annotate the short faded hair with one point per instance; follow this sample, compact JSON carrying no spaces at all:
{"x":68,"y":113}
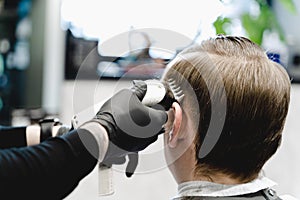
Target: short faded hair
{"x":257,"y":94}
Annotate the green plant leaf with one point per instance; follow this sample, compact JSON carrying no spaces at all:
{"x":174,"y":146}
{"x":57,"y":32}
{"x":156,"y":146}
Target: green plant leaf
{"x":289,"y":5}
{"x":253,"y":28}
{"x":220,"y":23}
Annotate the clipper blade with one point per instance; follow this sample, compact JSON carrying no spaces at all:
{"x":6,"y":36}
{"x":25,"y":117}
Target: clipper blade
{"x":176,"y":90}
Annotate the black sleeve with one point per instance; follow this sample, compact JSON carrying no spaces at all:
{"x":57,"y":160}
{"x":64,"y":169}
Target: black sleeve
{"x":50,"y":170}
{"x":12,"y":137}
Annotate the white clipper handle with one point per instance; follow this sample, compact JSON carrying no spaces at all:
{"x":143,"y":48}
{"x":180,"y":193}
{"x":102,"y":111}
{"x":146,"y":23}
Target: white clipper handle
{"x":105,"y":184}
{"x":155,"y":93}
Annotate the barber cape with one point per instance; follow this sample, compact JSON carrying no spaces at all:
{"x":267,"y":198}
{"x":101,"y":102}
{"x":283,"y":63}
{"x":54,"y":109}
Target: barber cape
{"x":258,"y":189}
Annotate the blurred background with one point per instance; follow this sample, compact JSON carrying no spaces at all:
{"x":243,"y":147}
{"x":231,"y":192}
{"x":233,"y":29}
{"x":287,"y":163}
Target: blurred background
{"x":61,"y":57}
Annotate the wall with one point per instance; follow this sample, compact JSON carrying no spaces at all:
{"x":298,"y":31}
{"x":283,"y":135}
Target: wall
{"x":34,"y":73}
{"x":47,"y":50}
{"x":54,"y":52}
{"x":284,"y":166}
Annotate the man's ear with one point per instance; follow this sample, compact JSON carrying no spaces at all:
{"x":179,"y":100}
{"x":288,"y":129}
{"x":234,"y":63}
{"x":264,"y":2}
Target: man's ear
{"x":174,"y":133}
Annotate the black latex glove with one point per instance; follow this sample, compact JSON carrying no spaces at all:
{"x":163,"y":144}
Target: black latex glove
{"x":131,"y":126}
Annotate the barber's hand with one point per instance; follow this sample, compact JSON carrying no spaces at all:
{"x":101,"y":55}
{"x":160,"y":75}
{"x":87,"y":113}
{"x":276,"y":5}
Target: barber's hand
{"x":131,"y":126}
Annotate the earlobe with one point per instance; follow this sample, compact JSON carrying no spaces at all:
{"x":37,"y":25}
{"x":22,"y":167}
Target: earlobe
{"x":174,"y":133}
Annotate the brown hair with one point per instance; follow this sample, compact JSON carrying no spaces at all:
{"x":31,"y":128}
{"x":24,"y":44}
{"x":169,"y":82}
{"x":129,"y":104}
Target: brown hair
{"x":256,"y":96}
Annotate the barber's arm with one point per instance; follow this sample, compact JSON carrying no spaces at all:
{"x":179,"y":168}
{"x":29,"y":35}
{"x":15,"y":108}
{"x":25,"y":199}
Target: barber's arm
{"x":49,"y":170}
{"x":30,"y":135}
{"x":53,"y":168}
{"x":12,"y":137}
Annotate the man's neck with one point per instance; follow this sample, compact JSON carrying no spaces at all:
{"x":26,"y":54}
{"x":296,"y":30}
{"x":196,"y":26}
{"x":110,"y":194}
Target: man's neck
{"x":221,"y":178}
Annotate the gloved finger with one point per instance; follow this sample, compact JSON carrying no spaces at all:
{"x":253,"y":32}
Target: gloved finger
{"x":132,"y":164}
{"x":158,"y":119}
{"x":139,"y":88}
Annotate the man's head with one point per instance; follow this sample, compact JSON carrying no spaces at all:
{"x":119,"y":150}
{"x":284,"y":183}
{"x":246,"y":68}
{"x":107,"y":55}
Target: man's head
{"x":232,"y":74}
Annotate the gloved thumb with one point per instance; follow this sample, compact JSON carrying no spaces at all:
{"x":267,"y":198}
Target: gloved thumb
{"x":158,"y":117}
{"x":132,"y":164}
{"x":139,"y":88}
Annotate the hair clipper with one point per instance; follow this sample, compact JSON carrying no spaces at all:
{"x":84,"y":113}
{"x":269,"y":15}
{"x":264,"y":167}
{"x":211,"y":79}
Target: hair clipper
{"x":163,"y":94}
